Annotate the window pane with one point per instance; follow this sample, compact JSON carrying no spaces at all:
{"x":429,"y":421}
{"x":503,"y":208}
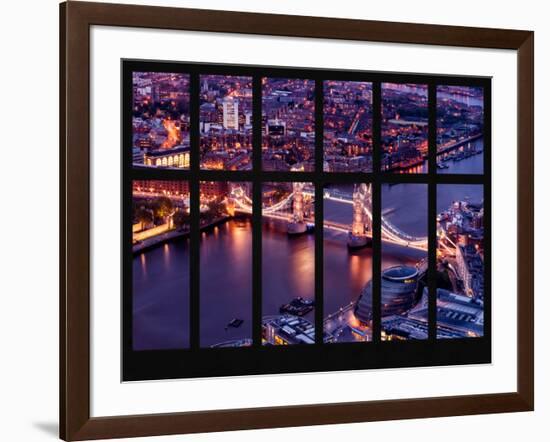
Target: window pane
{"x":404,"y":296}
{"x":460,"y":260}
{"x":225,"y":264}
{"x":288,"y":124}
{"x":160,"y":120}
{"x":288,"y":269}
{"x":226,"y":122}
{"x":459,"y":129}
{"x":404,"y":135}
{"x":347,"y":126}
{"x":347,"y":232}
{"x":160,"y":229}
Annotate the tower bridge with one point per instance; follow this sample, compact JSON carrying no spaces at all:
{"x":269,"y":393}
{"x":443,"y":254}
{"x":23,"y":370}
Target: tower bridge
{"x":293,"y":208}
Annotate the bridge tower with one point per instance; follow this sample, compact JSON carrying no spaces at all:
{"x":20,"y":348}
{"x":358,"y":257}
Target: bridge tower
{"x":297,"y":224}
{"x":357,"y":236}
{"x":230,"y":206}
{"x":366,"y":191}
{"x":234,"y":193}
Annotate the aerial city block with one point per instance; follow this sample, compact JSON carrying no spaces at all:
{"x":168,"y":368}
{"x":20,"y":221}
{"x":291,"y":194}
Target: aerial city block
{"x":161,"y":215}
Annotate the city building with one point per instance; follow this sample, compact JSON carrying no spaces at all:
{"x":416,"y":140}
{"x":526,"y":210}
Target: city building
{"x":161,"y":187}
{"x":276,"y":128}
{"x":179,"y":157}
{"x":403,"y":328}
{"x":214,"y":189}
{"x":458,"y":315}
{"x":230,"y":113}
{"x":399,"y":286}
{"x":470,"y":270}
{"x":287,"y":330}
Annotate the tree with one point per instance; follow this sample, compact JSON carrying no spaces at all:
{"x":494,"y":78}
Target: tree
{"x":143,"y":216}
{"x":163,"y":207}
{"x":216,"y":207}
{"x":181,"y":219}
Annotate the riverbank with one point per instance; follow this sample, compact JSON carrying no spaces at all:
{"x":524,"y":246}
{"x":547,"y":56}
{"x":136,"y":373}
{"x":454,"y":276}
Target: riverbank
{"x":155,"y":241}
{"x":421,"y":164}
{"x":158,"y":240}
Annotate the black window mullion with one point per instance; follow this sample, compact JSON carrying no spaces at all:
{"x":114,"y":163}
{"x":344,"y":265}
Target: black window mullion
{"x":319,"y":264}
{"x":376,"y":211}
{"x":432,"y":211}
{"x":194,"y":187}
{"x":432,"y":131}
{"x":487,"y":208}
{"x":257,"y":211}
{"x":432,"y":261}
{"x":319,"y":129}
{"x":212,"y":362}
{"x":376,"y":127}
{"x":127,"y":200}
{"x":376,"y":261}
{"x":319,"y":154}
{"x":257,"y":125}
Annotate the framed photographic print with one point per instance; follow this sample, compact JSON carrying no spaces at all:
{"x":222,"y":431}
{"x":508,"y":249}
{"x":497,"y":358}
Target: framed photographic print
{"x":248,"y":216}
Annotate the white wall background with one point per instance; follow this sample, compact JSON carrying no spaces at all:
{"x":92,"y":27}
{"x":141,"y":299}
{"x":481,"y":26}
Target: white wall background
{"x":29,"y":218}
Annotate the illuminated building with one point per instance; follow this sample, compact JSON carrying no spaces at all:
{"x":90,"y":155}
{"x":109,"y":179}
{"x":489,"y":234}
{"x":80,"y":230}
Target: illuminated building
{"x":470,"y":269}
{"x":402,"y":328}
{"x":399,"y":285}
{"x":276,"y":128}
{"x":458,"y":316}
{"x":214,"y":188}
{"x":158,"y":187}
{"x":288,"y":330}
{"x":230,"y":114}
{"x":176,"y":157}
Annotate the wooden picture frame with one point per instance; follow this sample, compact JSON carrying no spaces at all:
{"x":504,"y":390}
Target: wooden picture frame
{"x":76,"y":18}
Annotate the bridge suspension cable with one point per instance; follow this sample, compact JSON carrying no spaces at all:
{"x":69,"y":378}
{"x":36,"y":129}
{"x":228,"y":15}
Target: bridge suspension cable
{"x":389,"y":231}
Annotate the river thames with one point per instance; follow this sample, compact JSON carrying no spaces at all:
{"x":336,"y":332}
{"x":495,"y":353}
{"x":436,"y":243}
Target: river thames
{"x":161,"y":275}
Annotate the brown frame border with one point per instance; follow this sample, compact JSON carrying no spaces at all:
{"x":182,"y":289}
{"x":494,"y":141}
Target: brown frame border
{"x":75,"y":21}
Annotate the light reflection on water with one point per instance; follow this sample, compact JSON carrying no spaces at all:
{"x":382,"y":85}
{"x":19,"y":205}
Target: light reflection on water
{"x":161,"y":277}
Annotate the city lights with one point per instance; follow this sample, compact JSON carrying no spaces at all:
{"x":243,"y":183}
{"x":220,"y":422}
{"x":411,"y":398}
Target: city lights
{"x":226,"y":210}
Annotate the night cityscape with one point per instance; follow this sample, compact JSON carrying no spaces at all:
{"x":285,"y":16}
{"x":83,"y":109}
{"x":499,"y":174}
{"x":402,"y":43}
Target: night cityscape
{"x":459,"y":129}
{"x":160,"y":120}
{"x":288,"y":124}
{"x":226,"y":122}
{"x":347,"y":141}
{"x":460,"y":260}
{"x":404,"y":269}
{"x":404,"y":137}
{"x":161,"y":215}
{"x":288,"y":255}
{"x":347,"y":260}
{"x":225,"y":265}
{"x":160,"y":234}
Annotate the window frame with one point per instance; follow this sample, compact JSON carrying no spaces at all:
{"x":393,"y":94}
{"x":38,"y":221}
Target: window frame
{"x":197,"y":361}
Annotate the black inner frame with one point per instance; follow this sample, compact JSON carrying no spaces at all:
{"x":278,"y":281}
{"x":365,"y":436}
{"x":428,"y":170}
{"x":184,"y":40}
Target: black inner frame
{"x":257,"y":359}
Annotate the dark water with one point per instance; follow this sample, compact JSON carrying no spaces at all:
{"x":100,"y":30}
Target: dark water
{"x":345,"y":273}
{"x":288,"y":269}
{"x":470,"y":101}
{"x":161,"y":297}
{"x":161,"y":279}
{"x":406,"y":207}
{"x":226,"y":282}
{"x":447,"y":193}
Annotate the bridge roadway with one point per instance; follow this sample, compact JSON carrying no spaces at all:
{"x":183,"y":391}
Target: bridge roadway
{"x":390,"y":233}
